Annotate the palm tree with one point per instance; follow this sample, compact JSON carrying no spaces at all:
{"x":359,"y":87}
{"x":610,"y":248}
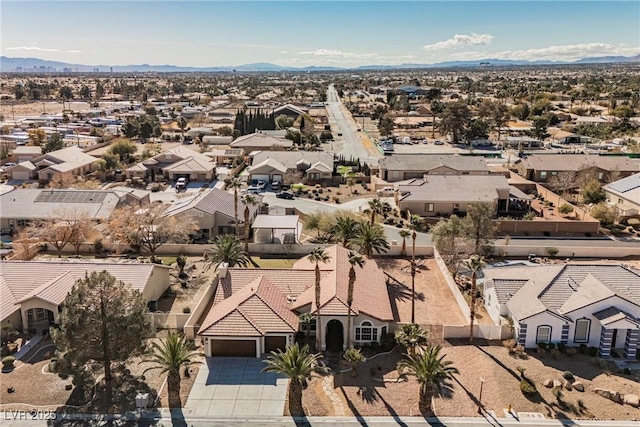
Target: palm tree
{"x":416,"y":221}
{"x":411,"y":336}
{"x":404,"y":234}
{"x":354,"y":357}
{"x":297,"y":364}
{"x":170,"y":356}
{"x":376,"y":207}
{"x":318,"y":255}
{"x":355,"y":259}
{"x":431,"y":371}
{"x":249,"y":200}
{"x":227,"y":250}
{"x":474,"y":263}
{"x":235,"y":184}
{"x":371,"y":238}
{"x":345,"y":230}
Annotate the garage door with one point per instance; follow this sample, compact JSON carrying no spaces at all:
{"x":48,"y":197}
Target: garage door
{"x":264,"y":178}
{"x":237,"y":348}
{"x":277,"y":178}
{"x":20,"y":175}
{"x":274,"y":344}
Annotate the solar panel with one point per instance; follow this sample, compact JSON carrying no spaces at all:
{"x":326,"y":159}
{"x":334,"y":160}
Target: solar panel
{"x":66,"y":196}
{"x":625,"y":185}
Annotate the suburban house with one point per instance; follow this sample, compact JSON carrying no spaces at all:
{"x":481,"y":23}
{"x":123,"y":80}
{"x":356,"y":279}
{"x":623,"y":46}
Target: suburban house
{"x":563,"y":137}
{"x":212,"y":211}
{"x":624,"y":194}
{"x":256,"y":310}
{"x":543,"y":167}
{"x":288,"y":110}
{"x":572,"y":304}
{"x":261,"y":142}
{"x":19,"y":207}
{"x":401,"y":167}
{"x":70,"y":161}
{"x":179,"y":162}
{"x":37,"y":301}
{"x":442,"y":195}
{"x":25,"y":153}
{"x":273,"y":165}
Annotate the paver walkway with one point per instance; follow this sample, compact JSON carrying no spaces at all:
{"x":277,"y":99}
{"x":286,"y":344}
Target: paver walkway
{"x":236,"y":387}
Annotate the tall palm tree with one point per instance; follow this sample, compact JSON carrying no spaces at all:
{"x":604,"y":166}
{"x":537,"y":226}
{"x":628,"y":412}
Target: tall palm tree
{"x":355,"y":259}
{"x":411,"y":336}
{"x":170,"y":356}
{"x":249,"y":200}
{"x":376,"y":207}
{"x":318,"y":256}
{"x":416,"y":222}
{"x":371,"y":238}
{"x":234,"y":183}
{"x":297,"y":364}
{"x":345,"y":230}
{"x":404,"y":234}
{"x":474,"y":264}
{"x":431,"y":371}
{"x":227,"y":250}
{"x":305,"y":320}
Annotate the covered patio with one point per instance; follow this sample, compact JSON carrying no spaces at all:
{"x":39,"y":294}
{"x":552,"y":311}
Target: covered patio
{"x":619,"y":330}
{"x":277,"y":229}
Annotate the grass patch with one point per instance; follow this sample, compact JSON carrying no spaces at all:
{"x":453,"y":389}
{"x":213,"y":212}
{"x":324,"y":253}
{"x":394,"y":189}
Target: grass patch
{"x":167,"y":260}
{"x":342,"y":170}
{"x":274,"y":262}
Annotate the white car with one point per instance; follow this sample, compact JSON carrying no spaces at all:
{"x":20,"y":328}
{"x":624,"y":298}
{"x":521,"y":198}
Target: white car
{"x":181,"y":183}
{"x":438,"y":142}
{"x":261,"y":185}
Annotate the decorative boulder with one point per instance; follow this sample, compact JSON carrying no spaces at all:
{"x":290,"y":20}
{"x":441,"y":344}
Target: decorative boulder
{"x":578,"y":386}
{"x":631,"y":400}
{"x":548,"y":383}
{"x":557,"y":384}
{"x":567,"y":385}
{"x":609,"y":394}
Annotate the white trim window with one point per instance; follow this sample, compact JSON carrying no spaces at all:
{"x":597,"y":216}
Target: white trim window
{"x":366,"y":332}
{"x":544,"y":334}
{"x":582,"y":330}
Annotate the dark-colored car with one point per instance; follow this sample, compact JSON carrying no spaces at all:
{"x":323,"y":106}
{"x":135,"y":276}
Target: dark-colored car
{"x":284,"y":195}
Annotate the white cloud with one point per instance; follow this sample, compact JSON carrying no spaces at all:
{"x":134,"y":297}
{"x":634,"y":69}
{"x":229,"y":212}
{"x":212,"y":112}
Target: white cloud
{"x":342,"y":58}
{"x":284,"y":52}
{"x":556,"y":52}
{"x":74,"y":51}
{"x":459,"y":40}
{"x":36,"y":48}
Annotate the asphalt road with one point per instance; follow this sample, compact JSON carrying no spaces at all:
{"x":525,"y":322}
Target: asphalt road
{"x":342,"y":122}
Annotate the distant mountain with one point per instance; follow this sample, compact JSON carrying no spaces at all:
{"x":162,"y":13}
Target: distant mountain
{"x":34,"y":64}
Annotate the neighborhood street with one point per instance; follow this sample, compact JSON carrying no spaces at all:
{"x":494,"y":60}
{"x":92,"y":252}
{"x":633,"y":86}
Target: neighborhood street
{"x":341,"y":123}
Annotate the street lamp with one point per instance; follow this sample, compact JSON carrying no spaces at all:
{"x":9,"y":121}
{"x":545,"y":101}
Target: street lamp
{"x":480,"y":397}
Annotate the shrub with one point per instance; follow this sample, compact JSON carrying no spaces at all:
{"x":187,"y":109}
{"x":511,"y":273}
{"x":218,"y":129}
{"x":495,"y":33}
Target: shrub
{"x":521,"y":370}
{"x":542,"y":345}
{"x":7,"y":362}
{"x":388,"y":340}
{"x":583,"y":349}
{"x":546,"y":234}
{"x":562,"y":347}
{"x":565,"y":209}
{"x":32,"y":331}
{"x":568,"y":375}
{"x":186,"y":310}
{"x":552,"y":251}
{"x":552,"y":346}
{"x":626,"y":371}
{"x":593,"y":351}
{"x":557,"y":393}
{"x":527,"y":387}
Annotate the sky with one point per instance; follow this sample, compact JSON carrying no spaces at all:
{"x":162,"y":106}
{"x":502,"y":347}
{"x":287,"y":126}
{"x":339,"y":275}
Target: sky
{"x":322,"y":33}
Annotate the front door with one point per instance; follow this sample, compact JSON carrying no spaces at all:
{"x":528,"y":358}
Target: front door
{"x":334,"y":337}
{"x":614,"y":338}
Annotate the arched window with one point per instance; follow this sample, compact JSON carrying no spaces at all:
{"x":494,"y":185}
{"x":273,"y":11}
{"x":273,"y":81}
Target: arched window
{"x":544,"y":334}
{"x":366,"y":332}
{"x":582,"y":330}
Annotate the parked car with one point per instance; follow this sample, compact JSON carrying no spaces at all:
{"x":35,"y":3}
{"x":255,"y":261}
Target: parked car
{"x":285,"y":195}
{"x":438,"y":142}
{"x":261,"y":185}
{"x":253,"y":190}
{"x":275,"y":185}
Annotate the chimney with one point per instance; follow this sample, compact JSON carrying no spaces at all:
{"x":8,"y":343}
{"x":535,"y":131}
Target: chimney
{"x":223,"y":269}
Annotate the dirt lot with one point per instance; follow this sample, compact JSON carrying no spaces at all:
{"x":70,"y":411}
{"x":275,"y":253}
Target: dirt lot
{"x":366,"y":396}
{"x":435,"y":303}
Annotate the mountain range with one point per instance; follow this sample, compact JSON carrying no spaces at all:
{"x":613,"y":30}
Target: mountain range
{"x":27,"y":64}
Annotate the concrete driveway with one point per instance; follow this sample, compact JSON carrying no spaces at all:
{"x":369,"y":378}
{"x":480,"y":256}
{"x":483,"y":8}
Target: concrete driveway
{"x":236,"y":387}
